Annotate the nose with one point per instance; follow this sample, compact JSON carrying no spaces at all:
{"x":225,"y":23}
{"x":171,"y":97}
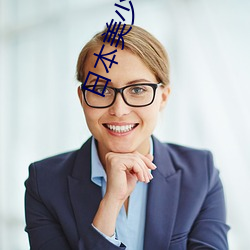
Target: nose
{"x":119,"y":108}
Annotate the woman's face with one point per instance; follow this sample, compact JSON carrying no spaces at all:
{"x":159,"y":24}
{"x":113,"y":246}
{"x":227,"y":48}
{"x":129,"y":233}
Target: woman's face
{"x":140,"y":120}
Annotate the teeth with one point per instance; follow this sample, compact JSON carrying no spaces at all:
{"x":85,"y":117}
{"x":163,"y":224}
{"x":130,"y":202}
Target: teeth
{"x":121,"y":129}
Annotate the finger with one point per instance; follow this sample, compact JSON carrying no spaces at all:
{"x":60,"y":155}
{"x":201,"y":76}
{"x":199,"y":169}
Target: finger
{"x":137,"y":170}
{"x":145,"y":170}
{"x":147,"y":166}
{"x":150,"y":157}
{"x":148,"y":162}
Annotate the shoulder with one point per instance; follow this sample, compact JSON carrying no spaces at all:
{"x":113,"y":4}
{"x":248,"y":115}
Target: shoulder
{"x":54,"y":171}
{"x":184,"y":153}
{"x":192,"y":162}
{"x":194,"y":166}
{"x":57,"y":163}
{"x":180,"y":153}
{"x":62,"y":163}
{"x":49,"y":176}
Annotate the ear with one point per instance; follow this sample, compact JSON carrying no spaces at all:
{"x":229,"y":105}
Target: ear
{"x":80,"y":95}
{"x":164,"y":96}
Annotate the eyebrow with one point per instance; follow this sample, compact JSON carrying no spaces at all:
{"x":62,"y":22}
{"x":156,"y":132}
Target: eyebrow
{"x":138,"y":81}
{"x":142,"y":80}
{"x":100,"y":80}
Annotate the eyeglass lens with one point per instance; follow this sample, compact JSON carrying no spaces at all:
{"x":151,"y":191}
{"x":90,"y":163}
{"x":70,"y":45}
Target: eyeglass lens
{"x":135,"y":95}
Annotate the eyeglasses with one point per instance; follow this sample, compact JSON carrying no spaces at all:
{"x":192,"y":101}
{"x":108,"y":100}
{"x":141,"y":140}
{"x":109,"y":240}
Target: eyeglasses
{"x":136,"y":95}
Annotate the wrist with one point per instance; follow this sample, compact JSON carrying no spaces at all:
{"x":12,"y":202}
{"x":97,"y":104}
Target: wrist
{"x":111,"y":204}
{"x":106,"y":216}
{"x":114,"y":200}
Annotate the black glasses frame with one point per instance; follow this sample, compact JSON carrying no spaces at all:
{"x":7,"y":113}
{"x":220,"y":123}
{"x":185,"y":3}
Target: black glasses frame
{"x":154,"y":86}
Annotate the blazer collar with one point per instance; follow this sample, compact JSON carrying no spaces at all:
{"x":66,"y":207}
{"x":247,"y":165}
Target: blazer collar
{"x":163,"y":199}
{"x":84,"y":194}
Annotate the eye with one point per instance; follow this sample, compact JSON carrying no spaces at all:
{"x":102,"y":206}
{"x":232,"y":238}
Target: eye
{"x":137,"y":90}
{"x":100,"y":88}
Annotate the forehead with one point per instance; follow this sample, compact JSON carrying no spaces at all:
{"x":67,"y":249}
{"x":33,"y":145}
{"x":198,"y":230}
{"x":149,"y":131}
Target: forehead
{"x":104,"y":50}
{"x":123,"y":65}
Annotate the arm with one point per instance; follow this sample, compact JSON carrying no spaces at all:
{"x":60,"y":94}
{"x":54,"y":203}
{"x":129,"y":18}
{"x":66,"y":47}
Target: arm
{"x":44,"y":229}
{"x":210,"y":230}
{"x":123,"y":172}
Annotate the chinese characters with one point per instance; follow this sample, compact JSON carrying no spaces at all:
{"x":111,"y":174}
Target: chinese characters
{"x":109,"y":37}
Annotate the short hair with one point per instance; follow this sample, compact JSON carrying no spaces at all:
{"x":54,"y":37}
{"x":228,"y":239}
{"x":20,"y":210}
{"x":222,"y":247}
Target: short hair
{"x":138,"y":41}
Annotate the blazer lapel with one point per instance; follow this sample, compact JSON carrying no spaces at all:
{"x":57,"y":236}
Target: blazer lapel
{"x":85,"y":196}
{"x":162,"y":202}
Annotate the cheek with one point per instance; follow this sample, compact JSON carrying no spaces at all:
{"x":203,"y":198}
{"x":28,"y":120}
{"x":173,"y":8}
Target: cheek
{"x":91,"y":115}
{"x":154,"y":109}
{"x":150,"y":113}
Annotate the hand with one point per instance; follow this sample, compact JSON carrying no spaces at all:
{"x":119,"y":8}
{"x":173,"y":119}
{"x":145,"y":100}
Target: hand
{"x":124,"y":170}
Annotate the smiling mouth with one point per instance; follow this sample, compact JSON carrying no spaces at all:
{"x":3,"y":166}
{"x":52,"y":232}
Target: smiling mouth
{"x":121,"y":129}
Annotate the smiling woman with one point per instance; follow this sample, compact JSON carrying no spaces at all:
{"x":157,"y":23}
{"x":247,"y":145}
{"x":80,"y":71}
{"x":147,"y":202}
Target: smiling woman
{"x":124,"y":188}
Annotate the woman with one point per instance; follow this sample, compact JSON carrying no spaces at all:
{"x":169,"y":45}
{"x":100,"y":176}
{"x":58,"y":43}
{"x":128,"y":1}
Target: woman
{"x":124,"y":189}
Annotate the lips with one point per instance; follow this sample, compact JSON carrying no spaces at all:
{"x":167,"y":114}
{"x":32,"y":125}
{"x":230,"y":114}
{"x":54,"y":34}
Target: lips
{"x":120,"y":128}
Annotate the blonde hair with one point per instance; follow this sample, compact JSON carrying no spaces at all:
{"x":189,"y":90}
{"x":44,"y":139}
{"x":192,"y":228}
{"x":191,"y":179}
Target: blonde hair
{"x":138,"y":41}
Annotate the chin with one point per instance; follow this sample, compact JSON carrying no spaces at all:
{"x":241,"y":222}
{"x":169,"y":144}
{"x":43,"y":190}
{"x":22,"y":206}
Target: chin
{"x":122,"y":147}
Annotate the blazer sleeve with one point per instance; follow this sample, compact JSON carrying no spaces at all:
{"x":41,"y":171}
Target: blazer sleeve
{"x":45,"y":231}
{"x":210,"y":230}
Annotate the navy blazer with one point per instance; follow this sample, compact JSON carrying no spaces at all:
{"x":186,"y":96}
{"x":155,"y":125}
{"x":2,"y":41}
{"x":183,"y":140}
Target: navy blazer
{"x":185,"y":202}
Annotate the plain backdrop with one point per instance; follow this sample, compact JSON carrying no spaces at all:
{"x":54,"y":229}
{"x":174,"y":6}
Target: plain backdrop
{"x":208,"y":44}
